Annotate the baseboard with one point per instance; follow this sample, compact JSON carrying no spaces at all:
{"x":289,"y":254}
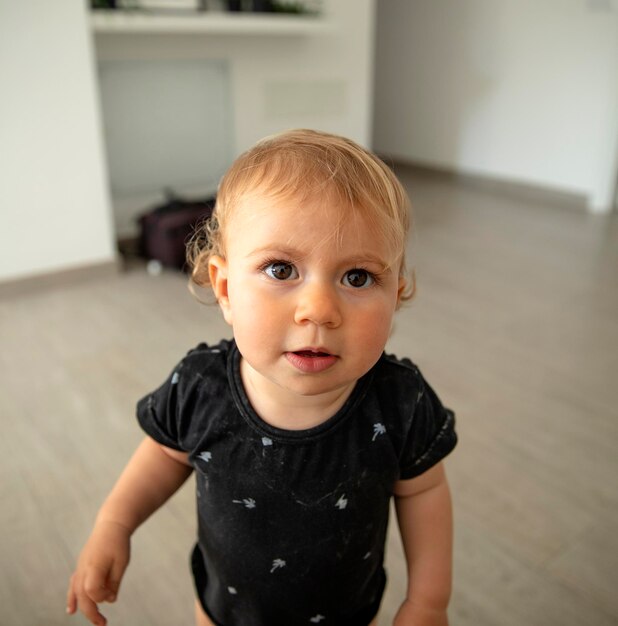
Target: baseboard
{"x":525,"y":192}
{"x":56,"y":279}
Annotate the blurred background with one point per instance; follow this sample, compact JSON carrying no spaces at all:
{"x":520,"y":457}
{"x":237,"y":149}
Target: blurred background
{"x":500,"y":117}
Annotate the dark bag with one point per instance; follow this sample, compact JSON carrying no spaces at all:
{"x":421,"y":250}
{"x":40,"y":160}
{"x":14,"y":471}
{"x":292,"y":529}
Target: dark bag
{"x":166,"y":229}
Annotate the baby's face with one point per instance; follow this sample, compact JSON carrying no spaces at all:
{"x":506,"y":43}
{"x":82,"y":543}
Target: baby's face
{"x":311,"y":307}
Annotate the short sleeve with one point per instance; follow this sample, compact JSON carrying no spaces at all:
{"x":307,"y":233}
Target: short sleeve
{"x":158,"y":413}
{"x":431,"y":436}
{"x":177,"y":413}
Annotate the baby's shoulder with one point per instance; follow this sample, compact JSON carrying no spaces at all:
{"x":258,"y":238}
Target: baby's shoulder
{"x":398,"y":382}
{"x":209,"y":352}
{"x":393,"y":369}
{"x":204,"y":361}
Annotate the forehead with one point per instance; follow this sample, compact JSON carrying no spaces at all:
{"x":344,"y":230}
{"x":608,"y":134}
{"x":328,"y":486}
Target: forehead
{"x":321,"y":210}
{"x":259,"y":219}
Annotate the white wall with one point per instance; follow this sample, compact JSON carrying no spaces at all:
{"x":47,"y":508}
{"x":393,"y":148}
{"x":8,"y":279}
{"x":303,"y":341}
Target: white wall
{"x":522,"y":90}
{"x":338,"y":63}
{"x":167,"y":126}
{"x":322,"y":79}
{"x":54,"y":208}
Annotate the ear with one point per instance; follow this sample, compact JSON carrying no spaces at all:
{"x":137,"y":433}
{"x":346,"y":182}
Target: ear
{"x":217,"y":271}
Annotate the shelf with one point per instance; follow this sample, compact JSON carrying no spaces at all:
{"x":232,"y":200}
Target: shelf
{"x":213,"y":22}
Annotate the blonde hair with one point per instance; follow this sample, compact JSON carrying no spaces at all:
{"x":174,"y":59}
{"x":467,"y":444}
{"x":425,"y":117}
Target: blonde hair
{"x":303,"y":164}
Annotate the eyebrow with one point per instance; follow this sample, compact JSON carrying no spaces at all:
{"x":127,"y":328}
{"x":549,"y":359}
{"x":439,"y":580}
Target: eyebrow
{"x":295,"y":255}
{"x":275,"y":249}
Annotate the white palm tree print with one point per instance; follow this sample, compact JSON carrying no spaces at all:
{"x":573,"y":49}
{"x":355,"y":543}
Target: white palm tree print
{"x":378,"y":429}
{"x":249,"y":503}
{"x":277,"y":563}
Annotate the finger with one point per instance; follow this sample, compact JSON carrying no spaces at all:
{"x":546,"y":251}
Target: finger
{"x":90,"y":610}
{"x":115,"y":578}
{"x":71,"y":597}
{"x":94,"y":584}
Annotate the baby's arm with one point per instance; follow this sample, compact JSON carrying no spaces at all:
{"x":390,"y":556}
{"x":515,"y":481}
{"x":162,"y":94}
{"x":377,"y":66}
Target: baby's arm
{"x":152,"y":475}
{"x":425,"y":521}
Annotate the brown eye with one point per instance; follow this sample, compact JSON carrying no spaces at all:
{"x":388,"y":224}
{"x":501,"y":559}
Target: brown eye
{"x":358,"y":279}
{"x":280,"y":271}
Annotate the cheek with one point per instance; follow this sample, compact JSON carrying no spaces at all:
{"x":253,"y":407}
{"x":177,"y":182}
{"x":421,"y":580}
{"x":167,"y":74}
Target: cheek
{"x":255,"y":312}
{"x":372,"y":324}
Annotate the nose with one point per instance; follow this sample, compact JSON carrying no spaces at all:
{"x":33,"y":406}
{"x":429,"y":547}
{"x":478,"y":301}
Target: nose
{"x":318,"y":303}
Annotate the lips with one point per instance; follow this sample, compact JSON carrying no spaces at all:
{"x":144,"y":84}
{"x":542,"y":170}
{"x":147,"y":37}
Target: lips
{"x":312,"y":353}
{"x":311,"y":360}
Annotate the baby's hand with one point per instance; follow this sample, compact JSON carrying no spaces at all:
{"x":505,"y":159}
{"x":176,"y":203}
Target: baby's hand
{"x":99,"y":570}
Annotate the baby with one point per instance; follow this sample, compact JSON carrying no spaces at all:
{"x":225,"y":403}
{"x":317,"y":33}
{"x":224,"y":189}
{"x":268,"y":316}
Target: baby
{"x":300,"y":429}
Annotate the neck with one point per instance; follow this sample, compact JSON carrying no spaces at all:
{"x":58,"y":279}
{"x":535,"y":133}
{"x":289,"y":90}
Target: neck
{"x":287,"y":410}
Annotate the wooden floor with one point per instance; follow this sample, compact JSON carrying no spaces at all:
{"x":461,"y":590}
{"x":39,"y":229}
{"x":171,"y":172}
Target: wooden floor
{"x":515,"y":324}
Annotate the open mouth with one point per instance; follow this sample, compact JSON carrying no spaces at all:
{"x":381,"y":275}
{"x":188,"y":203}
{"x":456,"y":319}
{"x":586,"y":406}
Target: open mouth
{"x":311,"y":361}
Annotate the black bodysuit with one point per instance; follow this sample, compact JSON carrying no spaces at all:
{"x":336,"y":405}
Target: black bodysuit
{"x":292,"y":524}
